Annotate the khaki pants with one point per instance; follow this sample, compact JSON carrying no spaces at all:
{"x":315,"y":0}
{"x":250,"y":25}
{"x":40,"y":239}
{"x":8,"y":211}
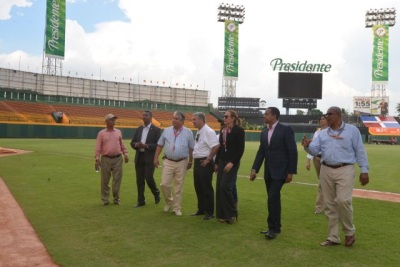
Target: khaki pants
{"x":110,"y":166}
{"x":337,"y":187}
{"x":173,"y":176}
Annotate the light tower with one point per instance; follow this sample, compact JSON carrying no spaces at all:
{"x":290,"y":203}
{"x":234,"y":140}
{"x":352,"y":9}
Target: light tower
{"x":232,"y":16}
{"x":51,"y":65}
{"x":380,"y":20}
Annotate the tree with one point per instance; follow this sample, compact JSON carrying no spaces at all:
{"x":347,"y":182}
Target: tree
{"x":316,"y":112}
{"x":398,"y":109}
{"x":345,"y":111}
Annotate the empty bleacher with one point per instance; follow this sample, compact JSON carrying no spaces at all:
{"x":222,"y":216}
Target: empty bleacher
{"x":38,"y":112}
{"x":21,"y":111}
{"x":95,"y":115}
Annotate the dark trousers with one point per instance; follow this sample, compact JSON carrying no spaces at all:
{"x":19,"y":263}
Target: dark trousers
{"x":274,"y":187}
{"x":145,"y":174}
{"x":234,"y":192}
{"x":225,"y":203}
{"x":202,"y":177}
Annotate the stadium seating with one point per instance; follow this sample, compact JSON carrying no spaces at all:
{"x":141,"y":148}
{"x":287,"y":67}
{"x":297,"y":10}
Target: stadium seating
{"x":39,"y":112}
{"x":26,"y":112}
{"x":95,"y":115}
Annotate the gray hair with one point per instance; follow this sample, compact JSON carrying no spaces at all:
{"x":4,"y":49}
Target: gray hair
{"x":336,"y":109}
{"x":180,"y":114}
{"x":200,"y":115}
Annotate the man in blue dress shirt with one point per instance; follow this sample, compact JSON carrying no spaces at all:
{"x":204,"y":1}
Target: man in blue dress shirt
{"x":341,"y":146}
{"x":178,"y":142}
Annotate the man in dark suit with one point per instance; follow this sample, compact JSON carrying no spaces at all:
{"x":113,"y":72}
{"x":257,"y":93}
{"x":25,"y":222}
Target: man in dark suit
{"x":278,"y":148}
{"x":145,"y":144}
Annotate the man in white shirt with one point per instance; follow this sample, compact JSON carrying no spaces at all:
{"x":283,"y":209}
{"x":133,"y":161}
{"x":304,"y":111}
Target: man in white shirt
{"x":205,"y":147}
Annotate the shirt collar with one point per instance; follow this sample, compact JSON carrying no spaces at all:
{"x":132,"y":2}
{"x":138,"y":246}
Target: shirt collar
{"x":340,"y":128}
{"x":148,"y":126}
{"x":273,"y":126}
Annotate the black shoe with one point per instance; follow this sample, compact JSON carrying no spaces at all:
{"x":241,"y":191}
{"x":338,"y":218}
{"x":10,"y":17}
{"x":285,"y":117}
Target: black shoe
{"x":139,"y":205}
{"x":157,"y":198}
{"x":270,"y":235}
{"x":266,"y":231}
{"x":197,"y":213}
{"x":208,"y":217}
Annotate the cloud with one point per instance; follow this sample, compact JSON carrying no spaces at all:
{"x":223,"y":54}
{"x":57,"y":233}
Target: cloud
{"x":7,"y":5}
{"x":20,"y":60}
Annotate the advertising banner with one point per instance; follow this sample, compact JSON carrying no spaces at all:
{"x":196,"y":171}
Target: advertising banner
{"x":362,"y":105}
{"x":379,"y":125}
{"x":380,"y":54}
{"x":55,"y":29}
{"x":380,"y":106}
{"x":384,"y":131}
{"x":231,"y":53}
{"x":371,"y":105}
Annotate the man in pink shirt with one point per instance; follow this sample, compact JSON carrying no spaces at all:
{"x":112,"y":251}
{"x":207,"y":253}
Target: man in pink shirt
{"x":109,"y":146}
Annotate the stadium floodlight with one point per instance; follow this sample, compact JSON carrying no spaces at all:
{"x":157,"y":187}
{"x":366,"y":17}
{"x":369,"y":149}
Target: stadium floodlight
{"x":380,"y":16}
{"x":231,"y":12}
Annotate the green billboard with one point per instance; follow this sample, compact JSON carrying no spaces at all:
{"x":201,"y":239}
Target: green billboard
{"x":55,"y":29}
{"x":380,"y":54}
{"x":231,"y":53}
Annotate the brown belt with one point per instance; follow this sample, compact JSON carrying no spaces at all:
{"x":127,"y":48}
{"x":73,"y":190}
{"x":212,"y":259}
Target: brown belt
{"x":175,"y":160}
{"x":112,"y":157}
{"x":336,"y":166}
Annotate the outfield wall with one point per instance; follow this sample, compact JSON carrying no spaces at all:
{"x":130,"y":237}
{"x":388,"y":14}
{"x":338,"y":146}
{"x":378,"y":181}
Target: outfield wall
{"x":18,"y":130}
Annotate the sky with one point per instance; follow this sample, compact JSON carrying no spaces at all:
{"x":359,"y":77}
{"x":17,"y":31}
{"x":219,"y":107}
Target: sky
{"x":181,"y":42}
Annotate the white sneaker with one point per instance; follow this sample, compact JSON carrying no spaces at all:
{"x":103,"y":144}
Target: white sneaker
{"x":167,"y":207}
{"x":178,"y":213}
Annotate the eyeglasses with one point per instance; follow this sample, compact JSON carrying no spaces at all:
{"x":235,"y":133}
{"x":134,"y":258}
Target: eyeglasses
{"x":197,"y":137}
{"x":226,"y":116}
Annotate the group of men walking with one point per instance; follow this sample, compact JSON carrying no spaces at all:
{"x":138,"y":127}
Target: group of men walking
{"x":180,"y":149}
{"x":339,"y":147}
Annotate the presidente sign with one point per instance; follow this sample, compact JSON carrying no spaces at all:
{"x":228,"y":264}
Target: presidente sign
{"x":231,"y":53}
{"x":380,"y":54}
{"x":55,"y":29}
{"x":278,"y":64}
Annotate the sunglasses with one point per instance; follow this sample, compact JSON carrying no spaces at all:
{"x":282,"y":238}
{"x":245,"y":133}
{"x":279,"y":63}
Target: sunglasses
{"x":197,"y":137}
{"x":226,"y":116}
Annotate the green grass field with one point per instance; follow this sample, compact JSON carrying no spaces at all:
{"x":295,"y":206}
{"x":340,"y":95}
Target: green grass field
{"x":59,"y":191}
